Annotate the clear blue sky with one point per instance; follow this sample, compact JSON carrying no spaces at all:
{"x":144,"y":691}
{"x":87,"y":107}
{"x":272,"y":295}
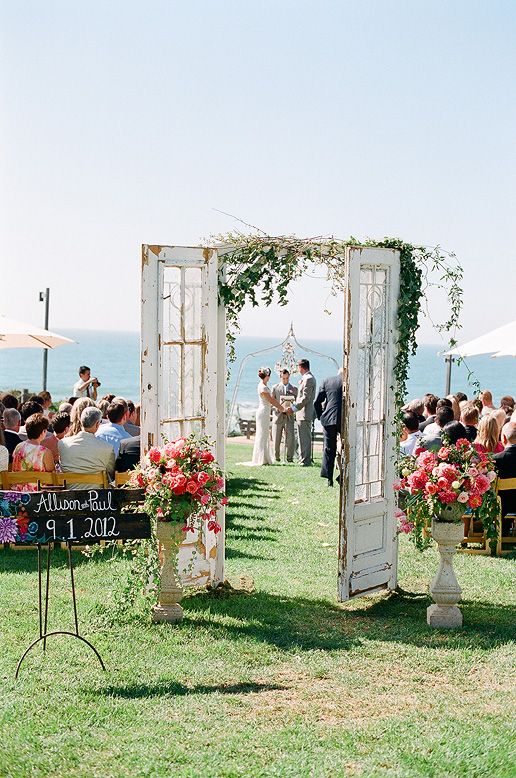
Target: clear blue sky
{"x":128,"y":122}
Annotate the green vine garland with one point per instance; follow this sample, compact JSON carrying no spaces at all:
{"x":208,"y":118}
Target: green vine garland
{"x":259,"y":268}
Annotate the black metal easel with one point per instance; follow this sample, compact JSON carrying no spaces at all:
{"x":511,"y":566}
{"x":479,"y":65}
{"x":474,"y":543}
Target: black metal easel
{"x":43,"y":620}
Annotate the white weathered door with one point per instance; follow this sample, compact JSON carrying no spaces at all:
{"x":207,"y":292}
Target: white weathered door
{"x":183,"y":371}
{"x":368,"y":541}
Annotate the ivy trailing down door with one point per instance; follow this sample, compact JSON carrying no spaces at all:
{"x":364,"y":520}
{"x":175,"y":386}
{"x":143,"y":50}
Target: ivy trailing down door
{"x":368,"y":540}
{"x":183,"y":372}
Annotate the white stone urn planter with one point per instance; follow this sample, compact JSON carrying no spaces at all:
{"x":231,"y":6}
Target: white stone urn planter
{"x":445,"y":589}
{"x":170,"y":536}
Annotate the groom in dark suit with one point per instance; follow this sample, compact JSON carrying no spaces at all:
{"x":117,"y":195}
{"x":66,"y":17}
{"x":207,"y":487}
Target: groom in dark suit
{"x":328,"y":407}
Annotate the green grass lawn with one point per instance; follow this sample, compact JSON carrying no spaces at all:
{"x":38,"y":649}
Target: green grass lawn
{"x":279,"y":681}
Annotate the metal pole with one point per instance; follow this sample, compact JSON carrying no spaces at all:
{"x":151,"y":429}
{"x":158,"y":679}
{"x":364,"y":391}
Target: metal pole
{"x":45,"y":296}
{"x":449,"y":362}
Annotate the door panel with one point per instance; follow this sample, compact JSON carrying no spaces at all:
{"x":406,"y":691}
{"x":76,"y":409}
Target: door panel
{"x":183,"y":368}
{"x":368,"y":540}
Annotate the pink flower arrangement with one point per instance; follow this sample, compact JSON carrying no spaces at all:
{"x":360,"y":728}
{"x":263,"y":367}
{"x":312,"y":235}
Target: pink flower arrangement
{"x":182,"y":482}
{"x":445,"y":484}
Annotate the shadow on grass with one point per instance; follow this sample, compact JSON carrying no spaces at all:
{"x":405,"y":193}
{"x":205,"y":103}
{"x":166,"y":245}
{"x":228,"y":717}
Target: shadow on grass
{"x":175,"y":689}
{"x":238,"y":487}
{"x":304,"y":624}
{"x":285,"y":622}
{"x":401,"y":617}
{"x":233,"y":553}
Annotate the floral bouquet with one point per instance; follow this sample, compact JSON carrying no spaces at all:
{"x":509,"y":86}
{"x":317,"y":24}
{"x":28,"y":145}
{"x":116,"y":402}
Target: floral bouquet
{"x":444,"y":485}
{"x":182,"y":483}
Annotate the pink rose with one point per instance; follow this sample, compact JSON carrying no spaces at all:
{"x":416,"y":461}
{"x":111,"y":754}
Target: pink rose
{"x":426,"y":460}
{"x":191,"y":487}
{"x":417,"y":480}
{"x":431,"y":488}
{"x":155,"y":455}
{"x":482,"y":483}
{"x":444,"y":452}
{"x":203,"y":478}
{"x":447,"y":496}
{"x":463,"y":497}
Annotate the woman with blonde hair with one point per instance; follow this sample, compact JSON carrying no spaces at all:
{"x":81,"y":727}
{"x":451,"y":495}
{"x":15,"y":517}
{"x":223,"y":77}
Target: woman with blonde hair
{"x":75,"y":415}
{"x":455,"y":406}
{"x":488,"y":436}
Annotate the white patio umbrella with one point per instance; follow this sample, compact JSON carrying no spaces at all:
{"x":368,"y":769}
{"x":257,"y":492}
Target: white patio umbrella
{"x":500,"y":342}
{"x":18,"y":334}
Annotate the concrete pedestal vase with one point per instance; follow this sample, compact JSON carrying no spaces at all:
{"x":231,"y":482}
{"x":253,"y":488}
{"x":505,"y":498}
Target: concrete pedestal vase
{"x":445,"y":589}
{"x":170,"y":536}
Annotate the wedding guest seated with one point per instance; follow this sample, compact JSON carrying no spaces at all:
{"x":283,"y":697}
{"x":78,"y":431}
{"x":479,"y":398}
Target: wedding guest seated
{"x":411,"y":435}
{"x":75,"y":414}
{"x":12,"y":421}
{"x":487,"y":439}
{"x":434,"y":428}
{"x":417,"y":407}
{"x":114,"y":432}
{"x":455,"y":406}
{"x":505,"y":464}
{"x":28,"y":408}
{"x":429,"y":409}
{"x":61,"y":425}
{"x":453,"y":431}
{"x":85,"y":452}
{"x":486,"y":398}
{"x":65,"y":408}
{"x":433,"y":441}
{"x":131,"y":426}
{"x":46,"y":399}
{"x":4,"y":453}
{"x":461,"y":397}
{"x":72,"y":400}
{"x":103,"y":405}
{"x":469,"y":417}
{"x":129,"y":455}
{"x":507,"y":404}
{"x":501,"y":419}
{"x":9,"y":400}
{"x":30,"y":454}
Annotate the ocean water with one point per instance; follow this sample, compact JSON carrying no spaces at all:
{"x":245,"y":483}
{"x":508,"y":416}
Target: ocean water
{"x":114,"y":358}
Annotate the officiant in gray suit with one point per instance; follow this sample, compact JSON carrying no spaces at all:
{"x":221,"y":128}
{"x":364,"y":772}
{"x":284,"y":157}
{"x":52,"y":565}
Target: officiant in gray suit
{"x":283,"y":422}
{"x":305,"y":412}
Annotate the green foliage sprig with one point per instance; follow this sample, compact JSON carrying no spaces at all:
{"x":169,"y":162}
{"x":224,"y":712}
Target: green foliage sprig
{"x":259,"y":268}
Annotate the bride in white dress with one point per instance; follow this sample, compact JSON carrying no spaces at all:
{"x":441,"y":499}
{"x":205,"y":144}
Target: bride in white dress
{"x":261,"y":450}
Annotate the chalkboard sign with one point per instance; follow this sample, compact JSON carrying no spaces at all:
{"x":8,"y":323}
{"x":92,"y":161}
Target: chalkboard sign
{"x":78,"y":516}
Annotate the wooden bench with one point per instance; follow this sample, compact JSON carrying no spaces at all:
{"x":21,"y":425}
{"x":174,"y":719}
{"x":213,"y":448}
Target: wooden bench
{"x":247,"y":427}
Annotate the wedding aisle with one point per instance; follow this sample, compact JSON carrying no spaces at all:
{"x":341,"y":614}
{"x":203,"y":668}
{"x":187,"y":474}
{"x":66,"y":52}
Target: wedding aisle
{"x":272,"y":677}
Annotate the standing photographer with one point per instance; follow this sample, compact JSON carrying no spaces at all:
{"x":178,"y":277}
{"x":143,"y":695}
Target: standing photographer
{"x":86,"y":386}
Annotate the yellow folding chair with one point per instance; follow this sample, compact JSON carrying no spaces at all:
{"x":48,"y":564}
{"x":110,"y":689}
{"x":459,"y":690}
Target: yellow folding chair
{"x":506,"y":485}
{"x":122,"y":478}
